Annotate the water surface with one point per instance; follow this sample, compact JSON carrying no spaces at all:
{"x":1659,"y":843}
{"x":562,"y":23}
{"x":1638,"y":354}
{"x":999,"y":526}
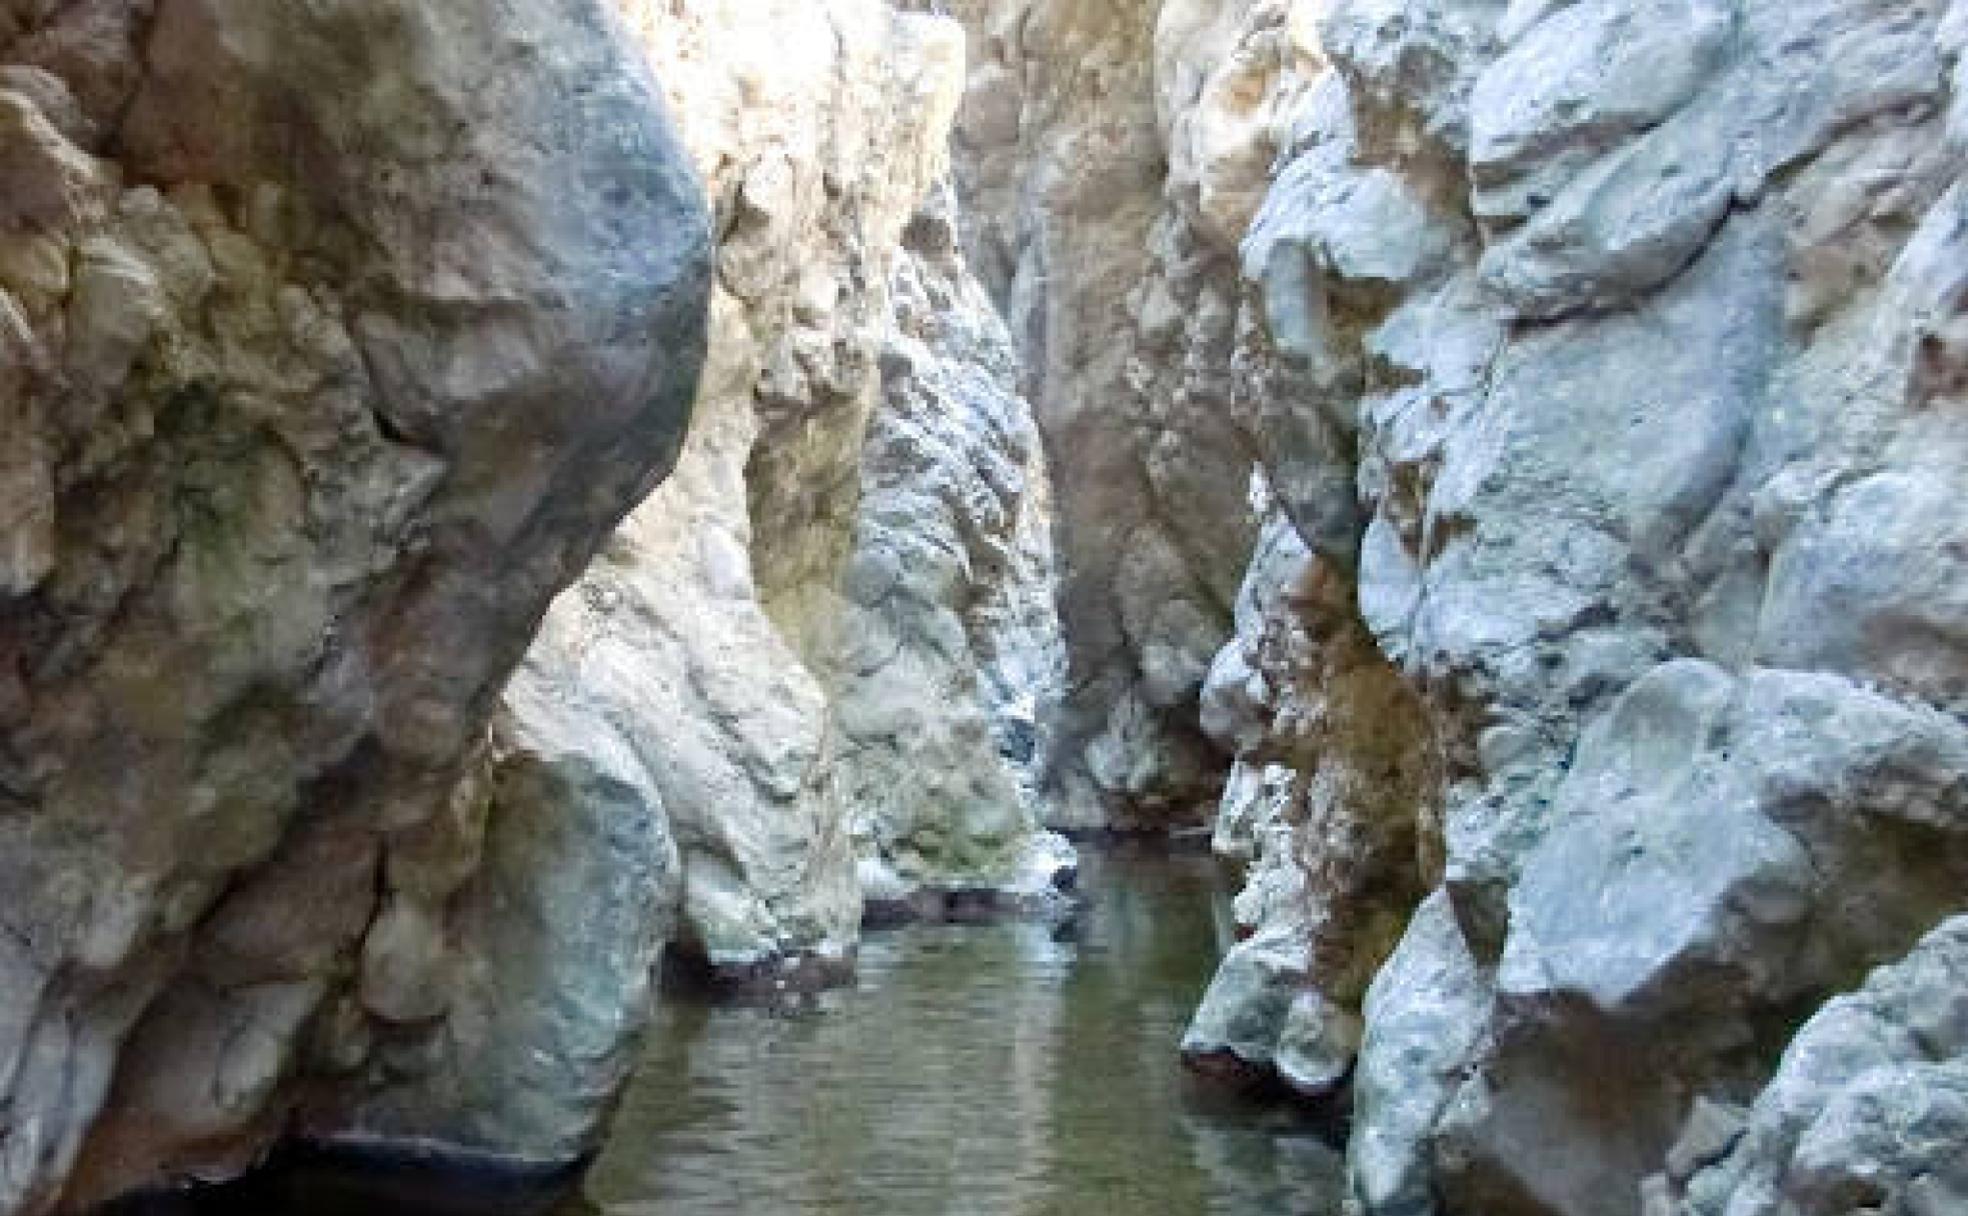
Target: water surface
{"x":1003,"y":1070}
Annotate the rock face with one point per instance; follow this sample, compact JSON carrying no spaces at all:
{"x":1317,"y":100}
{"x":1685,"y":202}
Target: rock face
{"x":696,"y":638}
{"x":1869,"y":1108}
{"x":723,"y":733}
{"x":1323,"y":809}
{"x":325,"y":367}
{"x":1588,"y":661}
{"x":947,"y":661}
{"x":317,"y":411}
{"x":1609,"y":376}
{"x":1109,"y":157}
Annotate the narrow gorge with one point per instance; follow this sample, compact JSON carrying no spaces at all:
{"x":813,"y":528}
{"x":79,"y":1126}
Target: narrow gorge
{"x":619,"y":579}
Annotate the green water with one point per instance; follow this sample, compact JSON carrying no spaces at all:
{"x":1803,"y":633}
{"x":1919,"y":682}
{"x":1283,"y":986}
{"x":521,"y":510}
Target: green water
{"x":972,"y":1071}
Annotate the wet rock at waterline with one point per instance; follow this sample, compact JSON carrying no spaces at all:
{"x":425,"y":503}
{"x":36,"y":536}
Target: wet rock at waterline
{"x":1633,"y":322}
{"x":325,"y":368}
{"x":813,"y":728}
{"x":1581,"y":683}
{"x":1108,"y":157}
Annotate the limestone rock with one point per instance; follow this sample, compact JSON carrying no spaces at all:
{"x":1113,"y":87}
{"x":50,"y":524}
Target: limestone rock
{"x":312,"y":409}
{"x":1720,"y":850}
{"x":1109,"y":158}
{"x":668,"y":638}
{"x":818,"y":634}
{"x":1323,"y":809}
{"x":1426,"y":1015}
{"x":542,"y":976}
{"x":1606,"y":358}
{"x":949,"y":654}
{"x":773,"y":687}
{"x":667,"y":744}
{"x":1869,"y":1106}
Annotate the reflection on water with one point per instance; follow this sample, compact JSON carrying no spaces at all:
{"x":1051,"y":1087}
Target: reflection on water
{"x":975,"y":1071}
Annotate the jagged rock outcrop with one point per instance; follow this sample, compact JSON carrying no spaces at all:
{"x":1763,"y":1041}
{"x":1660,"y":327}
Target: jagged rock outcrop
{"x":814,"y":161}
{"x":1609,"y":355}
{"x":1324,"y":809}
{"x":947,"y":659}
{"x":1109,"y":158}
{"x":726,"y":729}
{"x":1869,"y":1108}
{"x":325,"y":367}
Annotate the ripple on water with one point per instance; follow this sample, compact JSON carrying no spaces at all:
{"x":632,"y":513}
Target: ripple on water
{"x":971,"y":1071}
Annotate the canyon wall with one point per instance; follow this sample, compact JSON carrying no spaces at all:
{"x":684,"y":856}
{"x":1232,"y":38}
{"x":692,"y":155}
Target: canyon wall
{"x":1581,"y":679}
{"x":1637,"y":653}
{"x":1109,"y":158}
{"x":323,"y":407}
{"x":823,"y":627}
{"x":326,"y":366}
{"x":780,"y":698}
{"x":662,"y":772}
{"x":946,"y":661}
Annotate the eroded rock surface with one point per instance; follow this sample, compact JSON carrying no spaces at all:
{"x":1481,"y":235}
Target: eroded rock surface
{"x":1606,"y":364}
{"x":1109,"y":158}
{"x":947,"y":664}
{"x":1324,"y":809}
{"x":697,"y":636}
{"x":735,"y":736}
{"x":1869,"y":1108}
{"x":325,"y":367}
